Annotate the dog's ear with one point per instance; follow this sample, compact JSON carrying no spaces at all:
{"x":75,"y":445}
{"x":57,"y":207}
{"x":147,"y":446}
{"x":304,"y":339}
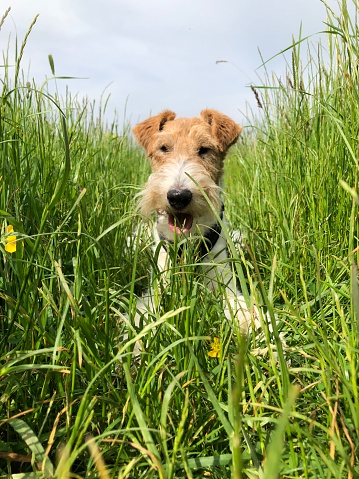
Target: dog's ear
{"x":224,"y":129}
{"x":145,"y":130}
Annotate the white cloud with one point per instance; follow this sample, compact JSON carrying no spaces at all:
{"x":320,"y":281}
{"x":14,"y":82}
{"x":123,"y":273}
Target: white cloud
{"x":159,"y":53}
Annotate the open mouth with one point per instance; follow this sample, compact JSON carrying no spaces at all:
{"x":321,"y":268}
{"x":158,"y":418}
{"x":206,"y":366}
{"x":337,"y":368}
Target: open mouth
{"x":180,"y":222}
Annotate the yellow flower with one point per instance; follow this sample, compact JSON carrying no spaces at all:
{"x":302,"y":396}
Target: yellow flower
{"x":215,"y":351}
{"x":10,"y":245}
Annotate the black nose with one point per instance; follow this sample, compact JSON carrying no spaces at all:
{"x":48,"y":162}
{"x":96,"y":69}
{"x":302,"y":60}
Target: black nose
{"x":179,"y":199}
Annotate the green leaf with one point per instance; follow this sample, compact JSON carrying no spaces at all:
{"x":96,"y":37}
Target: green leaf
{"x":35,"y":446}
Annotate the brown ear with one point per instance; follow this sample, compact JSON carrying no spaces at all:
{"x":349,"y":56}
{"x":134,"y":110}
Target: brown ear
{"x":144,"y":131}
{"x":224,"y":129}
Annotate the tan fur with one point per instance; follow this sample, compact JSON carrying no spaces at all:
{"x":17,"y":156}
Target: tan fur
{"x":211,"y":127}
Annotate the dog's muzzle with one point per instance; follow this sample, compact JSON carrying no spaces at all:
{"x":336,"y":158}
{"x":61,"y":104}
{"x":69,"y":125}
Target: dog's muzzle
{"x":178,"y":200}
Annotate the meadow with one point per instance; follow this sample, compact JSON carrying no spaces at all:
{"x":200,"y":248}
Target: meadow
{"x":199,"y":400}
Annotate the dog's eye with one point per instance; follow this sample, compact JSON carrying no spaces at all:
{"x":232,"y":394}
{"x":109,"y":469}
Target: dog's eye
{"x":164,"y":148}
{"x":203,"y":151}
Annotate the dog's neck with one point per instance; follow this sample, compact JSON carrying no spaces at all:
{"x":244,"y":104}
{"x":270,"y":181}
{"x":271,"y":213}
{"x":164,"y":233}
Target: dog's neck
{"x":207,"y":242}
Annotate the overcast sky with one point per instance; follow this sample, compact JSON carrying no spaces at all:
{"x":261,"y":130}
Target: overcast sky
{"x":157,"y":54}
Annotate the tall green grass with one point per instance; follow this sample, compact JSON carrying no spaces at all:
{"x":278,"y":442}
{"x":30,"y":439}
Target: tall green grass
{"x":75,"y":400}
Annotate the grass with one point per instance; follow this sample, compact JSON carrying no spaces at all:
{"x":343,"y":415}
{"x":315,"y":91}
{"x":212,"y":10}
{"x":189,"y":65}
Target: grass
{"x":74,"y":400}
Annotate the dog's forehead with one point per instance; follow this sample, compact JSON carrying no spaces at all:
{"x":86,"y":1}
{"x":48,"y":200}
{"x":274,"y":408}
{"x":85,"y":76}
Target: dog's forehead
{"x":184,"y":127}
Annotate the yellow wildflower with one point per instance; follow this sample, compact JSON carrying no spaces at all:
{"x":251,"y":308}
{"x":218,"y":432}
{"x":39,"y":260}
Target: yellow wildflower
{"x":215,"y":351}
{"x":10,"y":245}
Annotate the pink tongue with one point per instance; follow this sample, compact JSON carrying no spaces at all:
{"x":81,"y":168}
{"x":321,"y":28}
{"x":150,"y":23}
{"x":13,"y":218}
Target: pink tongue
{"x":181,"y":223}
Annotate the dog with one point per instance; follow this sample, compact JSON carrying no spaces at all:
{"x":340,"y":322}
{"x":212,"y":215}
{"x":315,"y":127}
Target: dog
{"x":184,"y":191}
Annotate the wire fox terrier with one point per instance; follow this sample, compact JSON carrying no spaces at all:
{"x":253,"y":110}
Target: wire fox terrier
{"x":184,"y":191}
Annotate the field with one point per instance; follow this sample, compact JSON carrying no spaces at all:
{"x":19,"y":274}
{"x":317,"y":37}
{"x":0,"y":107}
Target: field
{"x":200,"y":400}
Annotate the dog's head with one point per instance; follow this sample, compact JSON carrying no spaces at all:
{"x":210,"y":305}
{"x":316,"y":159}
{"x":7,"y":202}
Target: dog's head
{"x":186,"y":156}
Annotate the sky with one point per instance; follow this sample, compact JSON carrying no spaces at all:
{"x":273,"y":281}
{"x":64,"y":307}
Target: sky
{"x":151,"y":55}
